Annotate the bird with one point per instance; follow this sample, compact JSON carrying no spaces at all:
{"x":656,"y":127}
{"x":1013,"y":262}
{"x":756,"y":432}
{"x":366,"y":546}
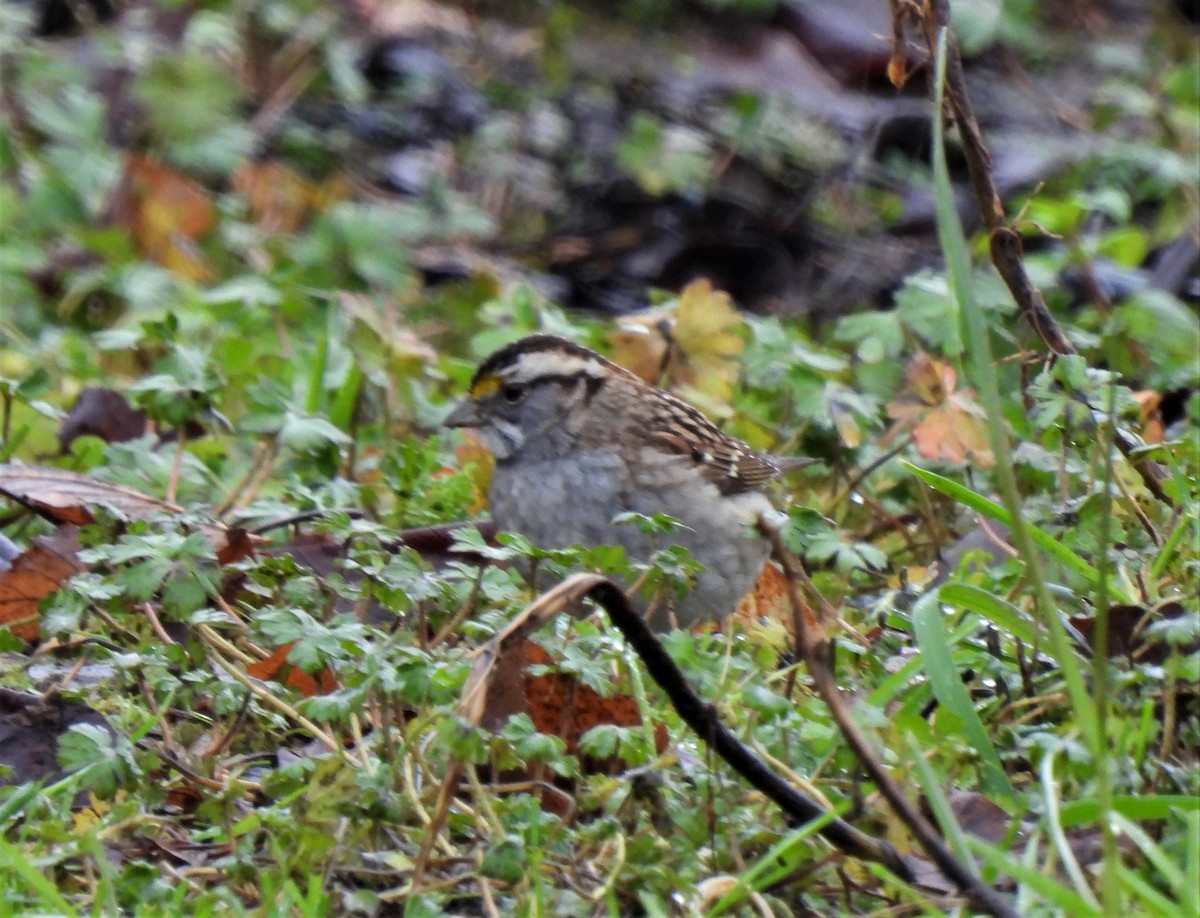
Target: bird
{"x":578,"y":440}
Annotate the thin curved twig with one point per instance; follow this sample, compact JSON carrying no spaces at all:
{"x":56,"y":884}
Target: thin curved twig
{"x":702,"y":718}
{"x":815,"y":650}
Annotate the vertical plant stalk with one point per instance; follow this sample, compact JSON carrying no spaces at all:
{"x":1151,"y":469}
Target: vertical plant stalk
{"x":976,"y":336}
{"x":960,"y":872}
{"x":1004,"y":241}
{"x":1110,"y":885}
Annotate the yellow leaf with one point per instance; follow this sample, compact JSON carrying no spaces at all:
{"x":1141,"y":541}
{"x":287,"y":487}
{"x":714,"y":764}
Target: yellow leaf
{"x":90,"y":815}
{"x":699,"y":342}
{"x":707,"y":343}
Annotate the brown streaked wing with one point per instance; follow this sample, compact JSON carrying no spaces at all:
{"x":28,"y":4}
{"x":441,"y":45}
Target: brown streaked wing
{"x":680,"y":429}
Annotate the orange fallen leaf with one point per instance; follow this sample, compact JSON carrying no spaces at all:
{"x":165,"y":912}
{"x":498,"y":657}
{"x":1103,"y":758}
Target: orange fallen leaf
{"x":276,"y":668}
{"x":1150,"y":403}
{"x":946,"y":423}
{"x":640,"y":346}
{"x":166,"y":212}
{"x":35,"y":574}
{"x":557,"y":702}
{"x":280,"y":199}
{"x":560,"y":705}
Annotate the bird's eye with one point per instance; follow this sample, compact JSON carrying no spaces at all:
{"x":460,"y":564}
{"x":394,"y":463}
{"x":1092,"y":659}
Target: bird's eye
{"x":513,"y":393}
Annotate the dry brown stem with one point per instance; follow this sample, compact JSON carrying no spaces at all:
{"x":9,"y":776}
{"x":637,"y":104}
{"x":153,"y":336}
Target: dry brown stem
{"x":816,"y":658}
{"x":1003,"y":239}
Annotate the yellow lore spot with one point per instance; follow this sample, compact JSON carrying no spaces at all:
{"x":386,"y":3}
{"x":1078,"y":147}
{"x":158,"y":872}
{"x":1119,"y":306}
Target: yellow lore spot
{"x":482,"y":388}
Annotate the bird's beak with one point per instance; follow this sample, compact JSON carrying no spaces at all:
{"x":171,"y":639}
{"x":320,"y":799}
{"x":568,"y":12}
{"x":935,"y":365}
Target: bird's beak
{"x":465,"y":414}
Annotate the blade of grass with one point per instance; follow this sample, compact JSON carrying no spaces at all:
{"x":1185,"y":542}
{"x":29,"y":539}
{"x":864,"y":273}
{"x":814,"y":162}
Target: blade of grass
{"x":1027,"y":897}
{"x":1050,"y":788}
{"x":316,"y":376}
{"x":1187,"y":523}
{"x":930,"y":628}
{"x":15,"y":803}
{"x":1153,"y":806}
{"x":1172,"y":872}
{"x":1004,"y":615}
{"x":1191,"y":883}
{"x":1048,"y":888}
{"x":341,"y":412}
{"x":768,"y":869}
{"x":1110,"y":888}
{"x":16,"y":864}
{"x":938,"y":803}
{"x":976,"y":336}
{"x":994,"y":511}
{"x":1149,"y":898}
{"x":889,"y":688}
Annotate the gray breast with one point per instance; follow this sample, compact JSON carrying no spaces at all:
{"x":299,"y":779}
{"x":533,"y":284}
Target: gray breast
{"x":560,"y":502}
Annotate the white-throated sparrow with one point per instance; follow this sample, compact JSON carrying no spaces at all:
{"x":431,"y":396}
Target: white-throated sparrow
{"x":579,"y":440}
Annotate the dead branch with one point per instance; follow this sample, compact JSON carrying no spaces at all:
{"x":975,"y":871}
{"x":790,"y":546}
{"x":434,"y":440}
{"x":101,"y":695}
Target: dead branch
{"x":1003,"y":239}
{"x":702,"y":718}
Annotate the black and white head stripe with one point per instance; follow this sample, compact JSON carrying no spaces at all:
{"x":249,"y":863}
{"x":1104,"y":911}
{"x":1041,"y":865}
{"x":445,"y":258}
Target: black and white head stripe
{"x":541,"y":358}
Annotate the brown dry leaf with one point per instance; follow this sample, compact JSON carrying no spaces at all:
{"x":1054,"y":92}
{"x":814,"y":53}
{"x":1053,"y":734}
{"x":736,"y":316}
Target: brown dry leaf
{"x":65,"y":497}
{"x":945,"y":423}
{"x":560,"y":706}
{"x":166,"y":213}
{"x":977,"y":815}
{"x":101,"y":413}
{"x":35,"y":574}
{"x":280,"y":199}
{"x":276,"y":668}
{"x":1150,"y":403}
{"x":233,"y":543}
{"x":640,"y":345}
{"x":1126,"y":631}
{"x":500,"y":685}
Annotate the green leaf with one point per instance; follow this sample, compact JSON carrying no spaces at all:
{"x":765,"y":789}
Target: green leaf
{"x":1004,"y":615}
{"x":1140,"y":808}
{"x":931,"y":786}
{"x":15,"y":862}
{"x":991,"y":510}
{"x":106,"y":759}
{"x":505,"y":860}
{"x":308,"y":434}
{"x":930,"y":628}
{"x":879,"y":335}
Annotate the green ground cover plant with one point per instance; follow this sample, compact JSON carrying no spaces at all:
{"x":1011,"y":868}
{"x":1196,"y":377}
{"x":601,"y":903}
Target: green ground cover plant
{"x":284,"y":364}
